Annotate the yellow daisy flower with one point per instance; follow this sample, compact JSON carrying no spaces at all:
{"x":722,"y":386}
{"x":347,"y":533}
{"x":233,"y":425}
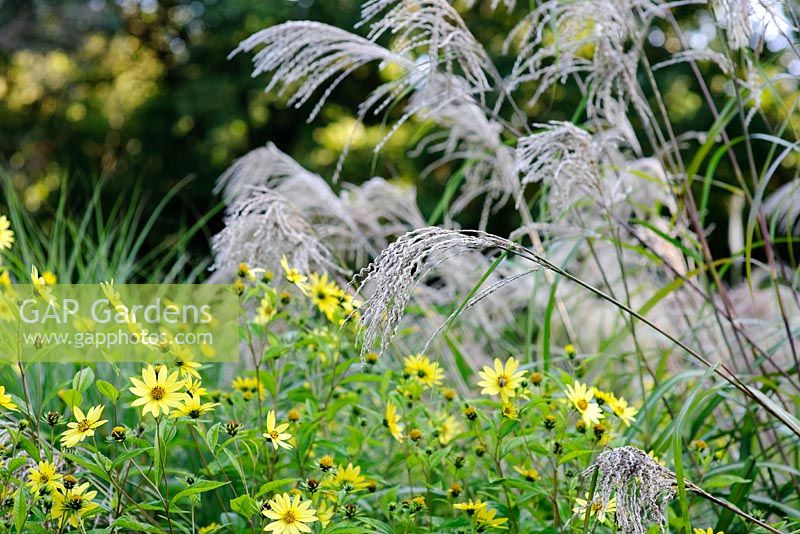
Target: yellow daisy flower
{"x":187,"y":367}
{"x":73,"y":504}
{"x":40,"y":287}
{"x":6,"y":234}
{"x":194,"y":388}
{"x":44,"y":476}
{"x":596,"y":508}
{"x":249,"y":386}
{"x":83,"y":426}
{"x":293,"y":275}
{"x":623,"y":411}
{"x":5,"y":400}
{"x":502,"y":380}
{"x":485,"y":518}
{"x":530,"y":475}
{"x":449,"y":429}
{"x":325,"y":294}
{"x":290,"y":516}
{"x":324,"y":513}
{"x":581,"y":396}
{"x":277,"y":435}
{"x":192,"y":407}
{"x":157,"y":391}
{"x":265,"y":311}
{"x":392,"y":421}
{"x":470,"y":507}
{"x":349,"y":478}
{"x":421,"y":369}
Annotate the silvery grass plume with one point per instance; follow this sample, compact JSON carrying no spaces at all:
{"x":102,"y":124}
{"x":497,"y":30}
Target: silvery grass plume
{"x":642,"y":487}
{"x":392,"y":277}
{"x":734,"y":17}
{"x":598,"y":41}
{"x":468,"y":134}
{"x":435,"y":30}
{"x":304,"y":56}
{"x":784,"y":207}
{"x":263,"y":227}
{"x":354,"y":225}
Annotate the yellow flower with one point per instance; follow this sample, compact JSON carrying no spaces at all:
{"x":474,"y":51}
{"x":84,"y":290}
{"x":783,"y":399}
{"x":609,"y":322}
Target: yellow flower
{"x":470,"y":507}
{"x":607,"y":398}
{"x":349,"y":478}
{"x":157,"y":392}
{"x":529,"y":474}
{"x":6,"y":234}
{"x":623,"y":411}
{"x":392,"y":421}
{"x":289,"y":515}
{"x":449,"y":429}
{"x":5,"y":400}
{"x":73,"y":504}
{"x":324,"y":513}
{"x":5,"y":279}
{"x":596,"y":508}
{"x":509,"y":411}
{"x":49,"y":278}
{"x":502,"y":380}
{"x":656,"y":459}
{"x":194,"y":388}
{"x":709,"y":530}
{"x":485,"y":518}
{"x":421,"y":369}
{"x":580,"y":396}
{"x":277,"y":435}
{"x":44,"y":476}
{"x":265,"y":311}
{"x":208,"y":529}
{"x":292,"y":274}
{"x":248,"y":386}
{"x":83,"y":426}
{"x":187,"y":367}
{"x":192,"y":407}
{"x":40,"y":287}
{"x":325,"y":294}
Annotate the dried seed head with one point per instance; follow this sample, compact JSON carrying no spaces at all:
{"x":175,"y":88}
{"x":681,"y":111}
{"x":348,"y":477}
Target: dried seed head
{"x":642,"y":487}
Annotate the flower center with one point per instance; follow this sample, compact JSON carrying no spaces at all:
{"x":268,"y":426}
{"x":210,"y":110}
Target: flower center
{"x":582,"y":404}
{"x":194,"y":414}
{"x":502,"y":381}
{"x":157,"y":393}
{"x":75,"y":504}
{"x":43,"y":478}
{"x":289,"y":517}
{"x":273,"y":435}
{"x":596,"y":506}
{"x":84,"y":425}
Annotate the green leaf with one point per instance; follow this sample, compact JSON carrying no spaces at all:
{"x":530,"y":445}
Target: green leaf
{"x":72,"y":397}
{"x":273,"y":485}
{"x":201,"y":486}
{"x":20,"y":510}
{"x":107,"y":390}
{"x":131,"y":525}
{"x":127,"y":455}
{"x":245,"y":505}
{"x":89,"y":466}
{"x":83,"y":379}
{"x":723,"y":481}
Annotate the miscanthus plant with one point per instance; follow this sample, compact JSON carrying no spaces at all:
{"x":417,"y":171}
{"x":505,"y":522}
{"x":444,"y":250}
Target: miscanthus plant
{"x":596,"y":369}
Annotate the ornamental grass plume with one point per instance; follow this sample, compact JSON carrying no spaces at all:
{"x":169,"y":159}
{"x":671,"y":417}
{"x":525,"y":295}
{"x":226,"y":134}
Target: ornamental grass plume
{"x":642,"y":487}
{"x":399,"y":268}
